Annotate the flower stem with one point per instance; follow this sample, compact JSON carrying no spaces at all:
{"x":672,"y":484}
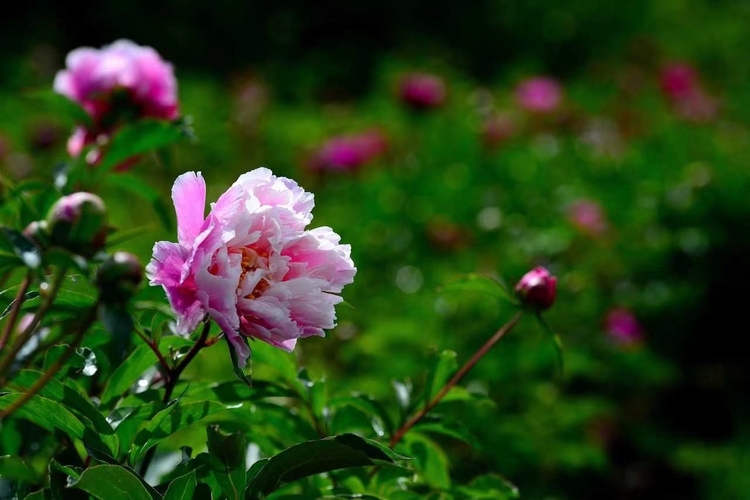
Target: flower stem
{"x":24,"y":336}
{"x":54,"y":369}
{"x":172,"y":376}
{"x":460,"y":374}
{"x":17,"y":303}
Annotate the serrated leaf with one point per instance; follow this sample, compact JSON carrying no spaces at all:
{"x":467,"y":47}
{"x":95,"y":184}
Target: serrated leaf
{"x":315,"y":457}
{"x":109,"y":482}
{"x":182,"y":488}
{"x":227,"y":461}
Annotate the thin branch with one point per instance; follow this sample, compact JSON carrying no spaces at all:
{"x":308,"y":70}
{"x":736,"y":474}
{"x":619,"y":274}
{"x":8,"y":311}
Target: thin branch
{"x":460,"y":374}
{"x":17,"y":303}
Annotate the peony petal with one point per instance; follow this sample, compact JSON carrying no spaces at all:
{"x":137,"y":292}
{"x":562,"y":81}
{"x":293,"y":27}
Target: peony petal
{"x":189,"y":196}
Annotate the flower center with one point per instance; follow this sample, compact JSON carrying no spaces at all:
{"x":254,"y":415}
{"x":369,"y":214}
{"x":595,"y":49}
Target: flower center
{"x":250,"y":262}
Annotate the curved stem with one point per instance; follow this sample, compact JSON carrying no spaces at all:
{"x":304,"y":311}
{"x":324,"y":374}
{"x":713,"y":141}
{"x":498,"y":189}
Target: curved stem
{"x":172,"y":376}
{"x":16,"y":307}
{"x":460,"y":374}
{"x":165,"y":368}
{"x":54,"y":369}
{"x":24,"y":336}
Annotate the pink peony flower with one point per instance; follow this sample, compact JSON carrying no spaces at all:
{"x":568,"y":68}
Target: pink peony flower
{"x":348,"y":152}
{"x":422,"y":90}
{"x":537,"y":288}
{"x":587,"y":216}
{"x":251,"y":264}
{"x":118,"y":83}
{"x":622,"y":327}
{"x":539,"y":94}
{"x":96,"y":79}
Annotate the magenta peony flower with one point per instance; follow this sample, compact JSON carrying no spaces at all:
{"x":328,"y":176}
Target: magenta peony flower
{"x":587,"y":216}
{"x":539,"y":94}
{"x":622,"y":327}
{"x":537,"y":288}
{"x":422,"y":90}
{"x":251,"y":264}
{"x":348,"y":152}
{"x":682,"y":87}
{"x":98,"y":79}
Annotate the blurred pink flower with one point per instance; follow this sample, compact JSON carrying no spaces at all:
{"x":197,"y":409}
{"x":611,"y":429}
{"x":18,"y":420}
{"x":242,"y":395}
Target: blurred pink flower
{"x":251,"y":264}
{"x":537,"y":288}
{"x":540,"y":94}
{"x":94,"y":78}
{"x":348,"y":152}
{"x":118,"y":83}
{"x":422,"y":90}
{"x":682,"y":87}
{"x":678,"y":80}
{"x":622,"y":327}
{"x":587,"y":215}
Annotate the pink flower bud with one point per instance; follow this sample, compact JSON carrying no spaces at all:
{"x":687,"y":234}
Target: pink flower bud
{"x":678,"y":80}
{"x":78,"y":222}
{"x":537,"y":288}
{"x":348,"y":152}
{"x":37,"y":232}
{"x":422,"y":90}
{"x":539,"y":95}
{"x":118,"y":277}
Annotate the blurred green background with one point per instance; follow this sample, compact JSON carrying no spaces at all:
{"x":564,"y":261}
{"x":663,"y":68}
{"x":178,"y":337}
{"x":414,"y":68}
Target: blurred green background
{"x":665,"y":416}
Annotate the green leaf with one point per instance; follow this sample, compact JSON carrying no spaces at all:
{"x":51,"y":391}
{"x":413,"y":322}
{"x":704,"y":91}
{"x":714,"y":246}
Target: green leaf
{"x":80,"y":406}
{"x":59,"y":475}
{"x":489,"y":487}
{"x":112,"y":482}
{"x":239,"y":370}
{"x":557,"y":343}
{"x":47,"y":414}
{"x":140,"y":360}
{"x":227,"y":461}
{"x":44,"y":494}
{"x":476,"y":283}
{"x":173,"y":418}
{"x":15,"y":469}
{"x":182,"y":488}
{"x":450,"y":428}
{"x":47,"y":100}
{"x":119,"y":322}
{"x":29,"y":254}
{"x":441,"y":369}
{"x":381,"y":422}
{"x":27,"y":296}
{"x":315,"y":457}
{"x":137,"y":139}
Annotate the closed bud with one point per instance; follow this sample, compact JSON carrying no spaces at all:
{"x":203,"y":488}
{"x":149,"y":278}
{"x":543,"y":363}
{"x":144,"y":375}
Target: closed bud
{"x":537,"y":289}
{"x":77,"y":222}
{"x":118,"y":277}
